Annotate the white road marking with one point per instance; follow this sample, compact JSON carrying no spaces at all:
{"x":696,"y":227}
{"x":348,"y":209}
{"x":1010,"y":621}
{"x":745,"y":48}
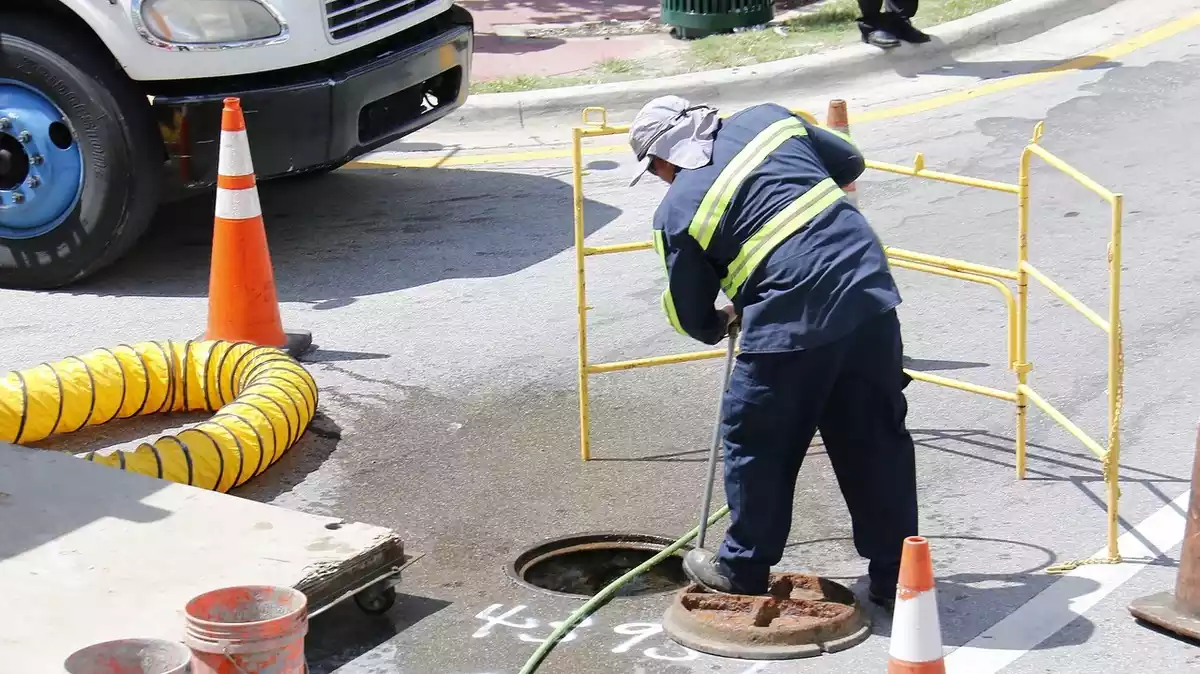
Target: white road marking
{"x":1058,"y":605}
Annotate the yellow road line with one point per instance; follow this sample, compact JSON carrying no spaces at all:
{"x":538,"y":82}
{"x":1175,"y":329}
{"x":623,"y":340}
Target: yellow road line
{"x":448,"y":160}
{"x":1084,"y":62}
{"x":1080,"y":63}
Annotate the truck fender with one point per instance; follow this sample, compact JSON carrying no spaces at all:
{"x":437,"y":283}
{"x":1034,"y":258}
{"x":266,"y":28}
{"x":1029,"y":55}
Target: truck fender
{"x":108,"y":20}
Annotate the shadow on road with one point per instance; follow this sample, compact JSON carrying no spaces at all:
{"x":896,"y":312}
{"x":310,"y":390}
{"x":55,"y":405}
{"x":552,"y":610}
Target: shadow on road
{"x":987,"y":70}
{"x":1050,"y":464}
{"x":492,"y":44}
{"x":933,"y":365}
{"x":30,"y":518}
{"x":971,"y":603}
{"x":344,"y":633}
{"x":362,"y":232}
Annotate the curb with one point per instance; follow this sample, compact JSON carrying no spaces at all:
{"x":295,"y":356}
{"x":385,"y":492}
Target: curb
{"x":1010,"y":22}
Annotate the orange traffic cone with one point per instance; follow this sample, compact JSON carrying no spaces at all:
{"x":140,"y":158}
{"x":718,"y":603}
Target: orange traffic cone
{"x":838,"y":119}
{"x":1179,"y":612}
{"x":242,"y":305}
{"x":916,"y":631}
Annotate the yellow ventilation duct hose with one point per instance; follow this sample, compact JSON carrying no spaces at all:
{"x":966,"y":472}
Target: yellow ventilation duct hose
{"x":264,"y":401}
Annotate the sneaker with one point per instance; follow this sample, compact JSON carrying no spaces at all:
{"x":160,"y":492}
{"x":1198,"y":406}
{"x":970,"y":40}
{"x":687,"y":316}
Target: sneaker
{"x":704,"y":570}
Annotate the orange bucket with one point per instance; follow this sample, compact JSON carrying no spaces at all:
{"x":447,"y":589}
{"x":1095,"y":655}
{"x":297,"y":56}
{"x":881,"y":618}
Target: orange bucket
{"x":250,"y":629}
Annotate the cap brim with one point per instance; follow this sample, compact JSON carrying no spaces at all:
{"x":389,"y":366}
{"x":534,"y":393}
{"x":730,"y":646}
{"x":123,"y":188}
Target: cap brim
{"x":645,"y":166}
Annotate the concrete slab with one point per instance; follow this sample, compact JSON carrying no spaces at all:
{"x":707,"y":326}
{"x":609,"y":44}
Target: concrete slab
{"x":90,"y":554}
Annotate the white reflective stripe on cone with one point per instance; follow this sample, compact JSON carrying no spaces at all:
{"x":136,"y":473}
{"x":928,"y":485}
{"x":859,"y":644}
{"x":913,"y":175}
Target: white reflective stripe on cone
{"x":235,"y":159}
{"x":916,"y":631}
{"x":238,"y":204}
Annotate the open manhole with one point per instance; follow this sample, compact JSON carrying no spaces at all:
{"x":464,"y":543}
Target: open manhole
{"x":584,"y":564}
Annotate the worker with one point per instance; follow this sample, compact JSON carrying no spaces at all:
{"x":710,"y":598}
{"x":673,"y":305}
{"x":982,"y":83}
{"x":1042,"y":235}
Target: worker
{"x":884,"y":23}
{"x":755,"y":209}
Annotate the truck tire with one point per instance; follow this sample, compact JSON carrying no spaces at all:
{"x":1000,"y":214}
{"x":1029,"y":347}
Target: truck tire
{"x":80,"y":158}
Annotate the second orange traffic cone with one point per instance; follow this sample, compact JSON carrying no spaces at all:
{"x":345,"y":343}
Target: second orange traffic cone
{"x":242,"y":304}
{"x":838,"y":119}
{"x":916,"y":630}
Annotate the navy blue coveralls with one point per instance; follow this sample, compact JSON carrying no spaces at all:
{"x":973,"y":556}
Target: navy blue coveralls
{"x":767,"y":223}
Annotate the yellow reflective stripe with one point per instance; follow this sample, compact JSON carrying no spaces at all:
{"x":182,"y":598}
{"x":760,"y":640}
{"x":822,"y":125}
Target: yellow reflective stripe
{"x":788,"y":221}
{"x":716,"y":200}
{"x":844,"y":136}
{"x":668,"y":303}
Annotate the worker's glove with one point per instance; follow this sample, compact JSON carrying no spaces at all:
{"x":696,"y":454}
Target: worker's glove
{"x":729,"y":315}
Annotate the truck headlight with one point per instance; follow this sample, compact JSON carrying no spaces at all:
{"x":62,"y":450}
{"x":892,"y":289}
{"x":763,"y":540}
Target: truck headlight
{"x":209,"y":21}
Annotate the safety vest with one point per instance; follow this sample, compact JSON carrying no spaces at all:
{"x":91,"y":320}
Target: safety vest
{"x":787,"y":222}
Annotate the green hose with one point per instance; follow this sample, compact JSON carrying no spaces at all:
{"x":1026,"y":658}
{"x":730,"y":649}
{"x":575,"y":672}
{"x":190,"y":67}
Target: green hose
{"x":604,"y":595}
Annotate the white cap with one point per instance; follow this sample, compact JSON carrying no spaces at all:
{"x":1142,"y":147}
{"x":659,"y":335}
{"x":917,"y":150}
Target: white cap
{"x":671,"y":128}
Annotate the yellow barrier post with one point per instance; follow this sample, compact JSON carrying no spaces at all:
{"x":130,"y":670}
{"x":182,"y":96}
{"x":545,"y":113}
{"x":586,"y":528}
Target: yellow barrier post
{"x":1110,"y":455}
{"x":1022,"y":366}
{"x":1116,"y":375}
{"x":585,"y":449}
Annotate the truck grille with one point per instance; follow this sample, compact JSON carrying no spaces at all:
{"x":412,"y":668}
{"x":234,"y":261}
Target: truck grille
{"x":347,"y":18}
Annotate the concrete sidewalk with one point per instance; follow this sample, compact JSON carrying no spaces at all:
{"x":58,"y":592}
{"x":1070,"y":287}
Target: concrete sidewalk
{"x":573,"y":35}
{"x":500,"y":51}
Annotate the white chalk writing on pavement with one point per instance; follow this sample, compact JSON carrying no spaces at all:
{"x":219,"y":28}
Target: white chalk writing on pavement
{"x":532,"y":630}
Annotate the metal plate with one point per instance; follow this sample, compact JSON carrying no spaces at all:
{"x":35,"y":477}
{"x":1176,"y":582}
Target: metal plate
{"x":802,"y":616}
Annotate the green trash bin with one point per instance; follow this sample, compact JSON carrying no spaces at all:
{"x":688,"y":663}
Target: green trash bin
{"x":698,"y":18}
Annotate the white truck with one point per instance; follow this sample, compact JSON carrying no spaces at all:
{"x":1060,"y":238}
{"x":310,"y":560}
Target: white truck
{"x":110,"y":107}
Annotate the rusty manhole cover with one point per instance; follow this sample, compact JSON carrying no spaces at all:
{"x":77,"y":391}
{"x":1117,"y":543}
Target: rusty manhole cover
{"x":803,"y":616}
{"x":583,"y":564}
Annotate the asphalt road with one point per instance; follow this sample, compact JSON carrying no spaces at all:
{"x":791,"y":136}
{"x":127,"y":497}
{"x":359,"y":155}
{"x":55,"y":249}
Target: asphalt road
{"x":442,"y":303}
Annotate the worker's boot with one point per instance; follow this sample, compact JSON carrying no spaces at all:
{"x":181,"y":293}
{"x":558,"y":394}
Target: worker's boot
{"x":883,"y":598}
{"x":884,"y":579}
{"x":874,"y":35}
{"x":902,"y":28}
{"x":705,"y":569}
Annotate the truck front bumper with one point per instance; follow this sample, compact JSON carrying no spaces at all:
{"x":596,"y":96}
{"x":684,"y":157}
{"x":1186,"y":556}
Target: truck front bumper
{"x":324,"y":115}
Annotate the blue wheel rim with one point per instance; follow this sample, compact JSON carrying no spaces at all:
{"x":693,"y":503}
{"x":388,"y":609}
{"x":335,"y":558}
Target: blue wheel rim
{"x":41,"y":166}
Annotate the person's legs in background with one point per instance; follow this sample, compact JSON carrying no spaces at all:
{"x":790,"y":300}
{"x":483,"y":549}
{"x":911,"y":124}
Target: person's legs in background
{"x":884,"y":23}
{"x":871,"y":24}
{"x":898,"y":18}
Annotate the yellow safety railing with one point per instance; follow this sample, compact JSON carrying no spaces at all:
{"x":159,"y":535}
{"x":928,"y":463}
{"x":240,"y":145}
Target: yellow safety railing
{"x":595,"y":124}
{"x":1110,"y":455}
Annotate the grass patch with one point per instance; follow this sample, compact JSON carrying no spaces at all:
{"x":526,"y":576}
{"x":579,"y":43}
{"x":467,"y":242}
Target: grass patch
{"x":619,"y":67}
{"x":944,"y":11}
{"x":504,"y":85}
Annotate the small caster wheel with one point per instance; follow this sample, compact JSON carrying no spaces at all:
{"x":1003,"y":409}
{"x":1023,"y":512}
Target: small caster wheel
{"x":377,"y":599}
